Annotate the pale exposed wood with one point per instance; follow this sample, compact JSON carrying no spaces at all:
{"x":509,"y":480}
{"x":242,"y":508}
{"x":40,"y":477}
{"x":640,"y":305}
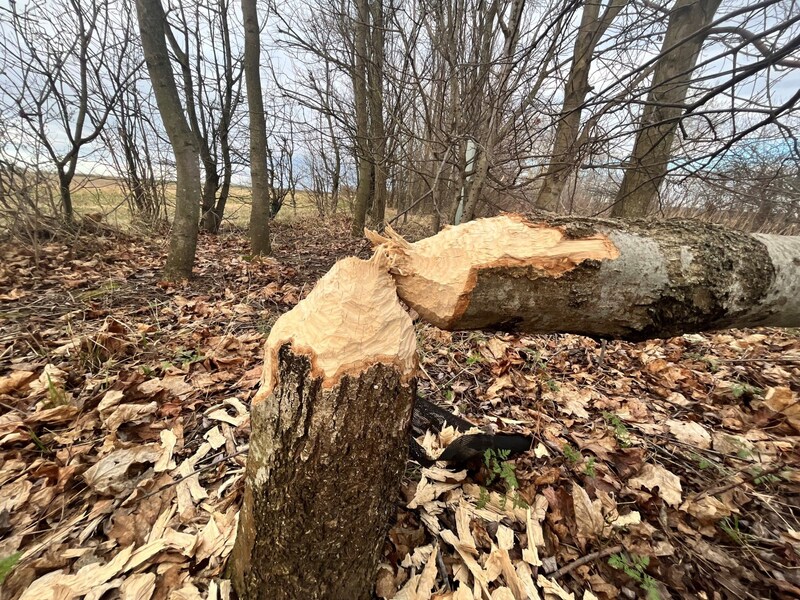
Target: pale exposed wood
{"x":351,"y":319}
{"x":436,"y":276}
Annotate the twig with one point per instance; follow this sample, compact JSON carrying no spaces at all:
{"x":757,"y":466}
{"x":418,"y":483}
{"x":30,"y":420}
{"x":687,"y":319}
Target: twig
{"x":787,"y":360}
{"x":749,"y":477}
{"x":585,"y":559}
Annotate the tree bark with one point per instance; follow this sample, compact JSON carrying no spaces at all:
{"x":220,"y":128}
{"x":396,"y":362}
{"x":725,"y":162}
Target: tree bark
{"x":328,"y":443}
{"x":565,"y":147}
{"x":652,"y":149}
{"x":596,"y":277}
{"x":363,"y":146}
{"x":377,"y":126}
{"x":260,"y":208}
{"x":183,"y":239}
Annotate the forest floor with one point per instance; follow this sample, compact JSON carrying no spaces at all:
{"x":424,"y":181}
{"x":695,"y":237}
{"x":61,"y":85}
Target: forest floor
{"x":660,"y":469}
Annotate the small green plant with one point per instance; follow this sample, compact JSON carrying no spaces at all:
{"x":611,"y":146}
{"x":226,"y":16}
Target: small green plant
{"x":710,"y":361}
{"x":7,"y":564}
{"x":483,"y":498}
{"x":539,"y":365}
{"x":188,"y":357}
{"x":500,"y":469}
{"x":634,"y":566}
{"x":762,"y":478}
{"x":620,"y":430}
{"x":730,"y":525}
{"x":473,"y":359}
{"x":702,"y":462}
{"x":589,"y":467}
{"x":495,"y":461}
{"x":449,"y":395}
{"x":739,"y":390}
{"x":38,"y":442}
{"x":55,"y":396}
{"x":571,"y":454}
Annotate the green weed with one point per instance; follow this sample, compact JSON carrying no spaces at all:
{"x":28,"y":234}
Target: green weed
{"x":634,"y":566}
{"x":621,"y":432}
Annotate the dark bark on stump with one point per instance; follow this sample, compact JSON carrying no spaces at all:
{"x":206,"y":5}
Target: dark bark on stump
{"x":324,"y":467}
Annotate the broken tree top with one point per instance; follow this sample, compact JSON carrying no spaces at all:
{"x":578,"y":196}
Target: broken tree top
{"x":351,"y":320}
{"x":597,"y":277}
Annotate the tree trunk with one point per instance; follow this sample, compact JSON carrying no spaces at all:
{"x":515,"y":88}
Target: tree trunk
{"x":64,"y":181}
{"x":565,"y":148}
{"x":376,"y":123}
{"x":328,"y":443}
{"x":652,"y":149}
{"x":259,"y":211}
{"x":363,"y":156}
{"x":183,"y":239}
{"x":598,"y":277}
{"x":209,"y":198}
{"x":225,"y":188}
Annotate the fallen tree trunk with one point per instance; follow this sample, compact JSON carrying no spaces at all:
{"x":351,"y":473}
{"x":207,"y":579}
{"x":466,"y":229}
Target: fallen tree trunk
{"x":328,"y":443}
{"x":597,"y":277}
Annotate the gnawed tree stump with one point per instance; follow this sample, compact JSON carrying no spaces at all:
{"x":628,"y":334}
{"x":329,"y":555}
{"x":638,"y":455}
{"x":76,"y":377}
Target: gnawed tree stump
{"x":597,"y":277}
{"x":328,"y":443}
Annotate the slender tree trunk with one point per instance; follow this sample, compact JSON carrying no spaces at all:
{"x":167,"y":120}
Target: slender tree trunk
{"x":563,"y":160}
{"x":652,"y":149}
{"x":377,"y":126}
{"x":225,"y":188}
{"x":363,"y":146}
{"x":598,"y":277}
{"x":183,"y":239}
{"x":328,"y":443}
{"x":64,"y":181}
{"x":209,"y":195}
{"x":228,"y":104}
{"x":480,"y":170}
{"x":260,"y":211}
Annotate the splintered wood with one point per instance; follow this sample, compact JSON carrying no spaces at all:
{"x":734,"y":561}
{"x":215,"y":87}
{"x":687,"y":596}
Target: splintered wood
{"x":352,"y":319}
{"x":436,"y":275}
{"x":499,"y":565}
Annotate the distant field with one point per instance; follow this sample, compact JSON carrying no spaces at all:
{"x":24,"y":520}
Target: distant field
{"x":99,"y":194}
{"x":102,"y":194}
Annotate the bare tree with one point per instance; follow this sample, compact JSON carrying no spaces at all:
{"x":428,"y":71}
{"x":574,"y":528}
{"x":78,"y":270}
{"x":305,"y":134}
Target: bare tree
{"x":366,"y":169}
{"x":200,"y":39}
{"x":64,"y":75}
{"x":260,"y":211}
{"x":183,"y":239}
{"x":564,"y":154}
{"x":687,"y":28}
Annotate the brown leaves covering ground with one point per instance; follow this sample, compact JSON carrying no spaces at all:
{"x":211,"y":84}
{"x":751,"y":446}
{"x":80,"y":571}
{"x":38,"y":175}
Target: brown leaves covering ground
{"x":124,"y":430}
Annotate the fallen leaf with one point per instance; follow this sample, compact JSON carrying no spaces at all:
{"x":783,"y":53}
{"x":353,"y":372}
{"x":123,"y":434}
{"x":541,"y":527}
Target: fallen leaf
{"x":588,"y":515}
{"x":690,"y":433}
{"x":783,"y":400}
{"x":656,"y":476}
{"x":14,"y":381}
{"x":110,"y":474}
{"x":138,"y":587}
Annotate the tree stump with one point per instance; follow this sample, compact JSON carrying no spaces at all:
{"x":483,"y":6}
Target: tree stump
{"x":329,"y":440}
